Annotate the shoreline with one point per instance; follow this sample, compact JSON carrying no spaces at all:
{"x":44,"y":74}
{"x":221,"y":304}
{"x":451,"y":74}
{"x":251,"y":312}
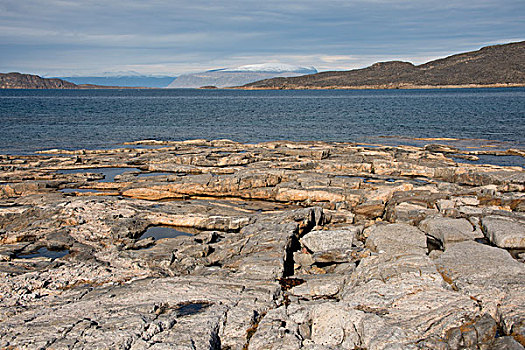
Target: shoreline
{"x":385,"y":87}
{"x":364,"y":87}
{"x":276,"y":244}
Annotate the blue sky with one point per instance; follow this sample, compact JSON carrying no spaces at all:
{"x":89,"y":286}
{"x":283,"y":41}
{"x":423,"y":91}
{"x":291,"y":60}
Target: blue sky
{"x":61,"y":38}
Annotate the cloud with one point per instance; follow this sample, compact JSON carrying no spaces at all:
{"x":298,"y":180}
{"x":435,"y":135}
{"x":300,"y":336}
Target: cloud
{"x":162,"y":36}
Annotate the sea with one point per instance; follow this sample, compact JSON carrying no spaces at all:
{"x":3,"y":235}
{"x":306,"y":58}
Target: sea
{"x":33,"y":120}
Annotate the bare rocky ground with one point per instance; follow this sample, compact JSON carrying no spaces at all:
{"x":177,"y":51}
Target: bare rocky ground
{"x":281,"y":245}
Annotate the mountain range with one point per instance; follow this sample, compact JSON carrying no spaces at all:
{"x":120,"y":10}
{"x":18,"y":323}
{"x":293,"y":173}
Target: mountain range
{"x":122,"y":80}
{"x":229,"y":77}
{"x":491,"y":66}
{"x":498,"y":65}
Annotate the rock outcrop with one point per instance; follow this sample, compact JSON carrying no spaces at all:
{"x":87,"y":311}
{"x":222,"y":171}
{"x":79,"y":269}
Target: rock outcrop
{"x":277,"y":245}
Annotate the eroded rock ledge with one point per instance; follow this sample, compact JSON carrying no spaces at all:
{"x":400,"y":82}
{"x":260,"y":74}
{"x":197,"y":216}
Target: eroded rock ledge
{"x":278,"y":245}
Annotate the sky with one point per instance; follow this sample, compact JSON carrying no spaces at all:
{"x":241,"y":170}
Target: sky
{"x":163,"y":37}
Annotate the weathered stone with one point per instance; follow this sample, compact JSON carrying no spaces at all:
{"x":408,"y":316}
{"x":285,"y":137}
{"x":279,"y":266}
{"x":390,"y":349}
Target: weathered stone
{"x":503,"y":232}
{"x":410,"y":213}
{"x":449,"y":230}
{"x":319,"y":286}
{"x":489,"y":275}
{"x":334,"y":326}
{"x":318,"y":241}
{"x":506,"y":343}
{"x":371,"y":209}
{"x":396,"y":239}
{"x":272,"y":262}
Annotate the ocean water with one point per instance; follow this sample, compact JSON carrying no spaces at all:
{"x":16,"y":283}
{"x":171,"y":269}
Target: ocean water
{"x":32,"y":120}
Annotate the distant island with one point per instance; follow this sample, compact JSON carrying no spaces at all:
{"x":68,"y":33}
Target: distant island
{"x":491,"y":66}
{"x":29,"y":81}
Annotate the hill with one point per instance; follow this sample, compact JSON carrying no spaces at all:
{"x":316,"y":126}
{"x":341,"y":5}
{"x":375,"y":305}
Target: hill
{"x":498,"y":65}
{"x":29,"y":81}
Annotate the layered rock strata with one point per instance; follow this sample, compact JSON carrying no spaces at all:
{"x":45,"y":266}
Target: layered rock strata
{"x":277,"y":245}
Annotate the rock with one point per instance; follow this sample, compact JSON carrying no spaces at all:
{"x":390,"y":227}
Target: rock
{"x":276,"y":331}
{"x":506,"y":343}
{"x":320,"y":286}
{"x":503,"y":232}
{"x":445,"y":204}
{"x":470,"y":335}
{"x":334,"y":326}
{"x":340,"y":255}
{"x":318,"y":241}
{"x":371,"y":209}
{"x":489,"y":275}
{"x":277,"y":256}
{"x":449,"y":230}
{"x":410,"y":213}
{"x":396,"y":239}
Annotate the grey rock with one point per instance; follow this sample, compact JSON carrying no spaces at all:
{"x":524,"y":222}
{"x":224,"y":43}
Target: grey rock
{"x":448,"y":230}
{"x":396,"y":239}
{"x":318,"y":241}
{"x":506,"y":343}
{"x":318,"y":286}
{"x":503,"y":232}
{"x":411,"y":213}
{"x":489,"y":275}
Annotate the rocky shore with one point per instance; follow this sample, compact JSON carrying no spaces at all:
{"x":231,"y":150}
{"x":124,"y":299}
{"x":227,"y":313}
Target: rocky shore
{"x":277,"y":245}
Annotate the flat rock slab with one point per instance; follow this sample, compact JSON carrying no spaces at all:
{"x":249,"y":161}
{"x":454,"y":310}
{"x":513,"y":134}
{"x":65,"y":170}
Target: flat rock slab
{"x":318,"y":241}
{"x":503,"y":232}
{"x":449,"y":230}
{"x":396,"y":239}
{"x":491,"y":276}
{"x":152,"y":313}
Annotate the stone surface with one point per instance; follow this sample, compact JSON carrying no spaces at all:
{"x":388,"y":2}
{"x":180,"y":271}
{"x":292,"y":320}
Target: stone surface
{"x":276,"y":245}
{"x":318,"y":241}
{"x":396,"y":239}
{"x":448,"y":230}
{"x":503,"y":232}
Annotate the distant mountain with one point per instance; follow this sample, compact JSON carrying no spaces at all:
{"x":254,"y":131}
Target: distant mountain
{"x":123,"y":80}
{"x":498,"y":65}
{"x":228,"y":77}
{"x":29,"y":81}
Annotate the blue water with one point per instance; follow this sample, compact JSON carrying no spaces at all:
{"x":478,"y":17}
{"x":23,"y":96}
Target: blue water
{"x":33,"y":120}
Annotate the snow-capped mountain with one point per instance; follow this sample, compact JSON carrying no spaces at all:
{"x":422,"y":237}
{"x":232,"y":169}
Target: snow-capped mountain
{"x":229,"y":77}
{"x":272,"y":67}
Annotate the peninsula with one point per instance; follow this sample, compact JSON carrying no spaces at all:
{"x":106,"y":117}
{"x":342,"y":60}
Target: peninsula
{"x":491,"y":66}
{"x":16,"y":80}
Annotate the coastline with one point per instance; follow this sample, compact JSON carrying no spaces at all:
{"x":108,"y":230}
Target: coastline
{"x":282,"y":244}
{"x":351,"y":87}
{"x":384,"y":87}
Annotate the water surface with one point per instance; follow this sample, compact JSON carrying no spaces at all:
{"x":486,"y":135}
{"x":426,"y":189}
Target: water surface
{"x":33,"y":120}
